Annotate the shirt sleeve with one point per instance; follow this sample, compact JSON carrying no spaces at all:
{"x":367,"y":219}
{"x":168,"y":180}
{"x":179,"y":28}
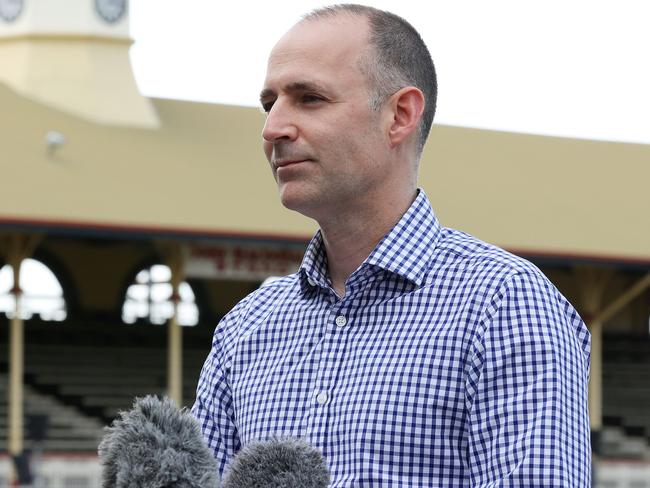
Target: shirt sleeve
{"x":528,"y":422}
{"x":213,"y":407}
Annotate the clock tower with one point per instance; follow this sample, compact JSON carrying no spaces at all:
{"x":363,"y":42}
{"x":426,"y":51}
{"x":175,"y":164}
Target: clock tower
{"x":73,"y":55}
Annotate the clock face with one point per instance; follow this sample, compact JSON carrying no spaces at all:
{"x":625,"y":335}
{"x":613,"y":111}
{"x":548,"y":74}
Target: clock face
{"x":110,"y":10}
{"x":10,"y":9}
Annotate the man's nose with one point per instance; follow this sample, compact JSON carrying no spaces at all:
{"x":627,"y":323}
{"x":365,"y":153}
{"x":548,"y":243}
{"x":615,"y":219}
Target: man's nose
{"x":279,"y":124}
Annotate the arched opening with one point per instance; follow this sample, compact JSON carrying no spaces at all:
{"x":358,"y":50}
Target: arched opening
{"x":42,"y":293}
{"x":149,"y":298}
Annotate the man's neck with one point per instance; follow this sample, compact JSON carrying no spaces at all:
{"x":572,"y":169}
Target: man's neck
{"x":349,"y":239}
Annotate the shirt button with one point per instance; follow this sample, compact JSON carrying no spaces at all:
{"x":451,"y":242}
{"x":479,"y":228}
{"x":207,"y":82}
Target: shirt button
{"x":341,"y":321}
{"x":310,"y":281}
{"x":322,"y":397}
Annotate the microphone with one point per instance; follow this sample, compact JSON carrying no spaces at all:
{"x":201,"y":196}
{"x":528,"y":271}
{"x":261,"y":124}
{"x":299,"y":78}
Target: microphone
{"x":156,"y":445}
{"x":278,"y":463}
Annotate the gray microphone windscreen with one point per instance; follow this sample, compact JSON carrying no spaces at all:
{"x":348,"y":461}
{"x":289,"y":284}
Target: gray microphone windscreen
{"x":156,"y":445}
{"x":280,"y":463}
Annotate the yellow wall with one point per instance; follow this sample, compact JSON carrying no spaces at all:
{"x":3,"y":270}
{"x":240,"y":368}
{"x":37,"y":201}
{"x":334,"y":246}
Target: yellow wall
{"x":204,"y":171}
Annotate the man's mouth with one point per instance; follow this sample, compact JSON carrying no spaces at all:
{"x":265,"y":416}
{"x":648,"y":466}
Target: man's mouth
{"x":283,"y":163}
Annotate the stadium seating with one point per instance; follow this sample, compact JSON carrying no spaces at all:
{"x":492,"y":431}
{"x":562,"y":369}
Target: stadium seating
{"x":626,"y":397}
{"x":82,"y":377}
{"x":68,"y":429}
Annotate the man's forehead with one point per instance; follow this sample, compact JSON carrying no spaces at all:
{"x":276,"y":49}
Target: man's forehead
{"x":334,"y":35}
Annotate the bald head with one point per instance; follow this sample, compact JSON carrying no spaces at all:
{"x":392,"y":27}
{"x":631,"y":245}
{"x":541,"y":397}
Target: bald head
{"x":394,"y":56}
{"x":339,"y":37}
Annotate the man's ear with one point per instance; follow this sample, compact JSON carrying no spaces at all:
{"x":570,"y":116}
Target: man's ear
{"x":406,"y":107}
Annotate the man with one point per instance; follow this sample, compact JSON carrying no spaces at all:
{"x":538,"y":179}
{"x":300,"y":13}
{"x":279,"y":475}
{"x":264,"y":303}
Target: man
{"x":410,"y":354}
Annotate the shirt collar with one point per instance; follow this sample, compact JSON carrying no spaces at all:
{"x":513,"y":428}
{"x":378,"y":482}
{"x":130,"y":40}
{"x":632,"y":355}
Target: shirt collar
{"x":314,"y":264}
{"x":406,"y":250}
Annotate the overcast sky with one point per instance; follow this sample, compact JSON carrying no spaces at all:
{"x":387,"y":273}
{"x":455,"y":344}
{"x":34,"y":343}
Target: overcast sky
{"x":574,"y":68}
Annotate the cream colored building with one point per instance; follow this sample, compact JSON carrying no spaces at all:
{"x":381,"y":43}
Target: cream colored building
{"x":84,"y":157}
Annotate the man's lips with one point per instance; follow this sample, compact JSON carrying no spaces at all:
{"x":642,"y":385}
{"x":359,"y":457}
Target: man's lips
{"x":287,"y":162}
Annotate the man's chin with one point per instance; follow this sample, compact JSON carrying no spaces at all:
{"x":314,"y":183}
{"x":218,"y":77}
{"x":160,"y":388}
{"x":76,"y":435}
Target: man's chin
{"x":298,"y":201}
{"x":292,"y":202}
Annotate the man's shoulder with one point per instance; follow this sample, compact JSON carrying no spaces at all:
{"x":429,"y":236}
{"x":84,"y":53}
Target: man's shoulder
{"x":271,"y":294}
{"x":274,"y":290}
{"x":469,"y":265}
{"x":460,"y":253}
{"x":493,"y":276}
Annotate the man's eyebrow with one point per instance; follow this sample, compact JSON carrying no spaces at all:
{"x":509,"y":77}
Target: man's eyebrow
{"x":298,"y":86}
{"x":266,"y":93}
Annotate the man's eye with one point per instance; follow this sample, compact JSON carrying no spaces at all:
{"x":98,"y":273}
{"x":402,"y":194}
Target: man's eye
{"x":311,"y":98}
{"x":266,"y":107}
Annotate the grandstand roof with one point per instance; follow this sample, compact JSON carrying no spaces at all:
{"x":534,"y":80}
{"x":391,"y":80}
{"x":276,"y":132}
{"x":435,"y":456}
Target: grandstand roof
{"x":203,"y":174}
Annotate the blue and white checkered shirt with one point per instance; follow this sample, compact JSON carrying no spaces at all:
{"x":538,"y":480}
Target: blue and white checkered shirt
{"x":448,"y":363}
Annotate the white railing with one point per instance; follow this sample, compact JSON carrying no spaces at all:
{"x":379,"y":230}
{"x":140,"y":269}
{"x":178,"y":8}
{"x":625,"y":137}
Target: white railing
{"x":58,"y":471}
{"x":84,"y":471}
{"x":622,"y":474}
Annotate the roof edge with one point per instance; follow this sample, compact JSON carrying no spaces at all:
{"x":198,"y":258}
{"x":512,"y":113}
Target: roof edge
{"x":139,"y":232}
